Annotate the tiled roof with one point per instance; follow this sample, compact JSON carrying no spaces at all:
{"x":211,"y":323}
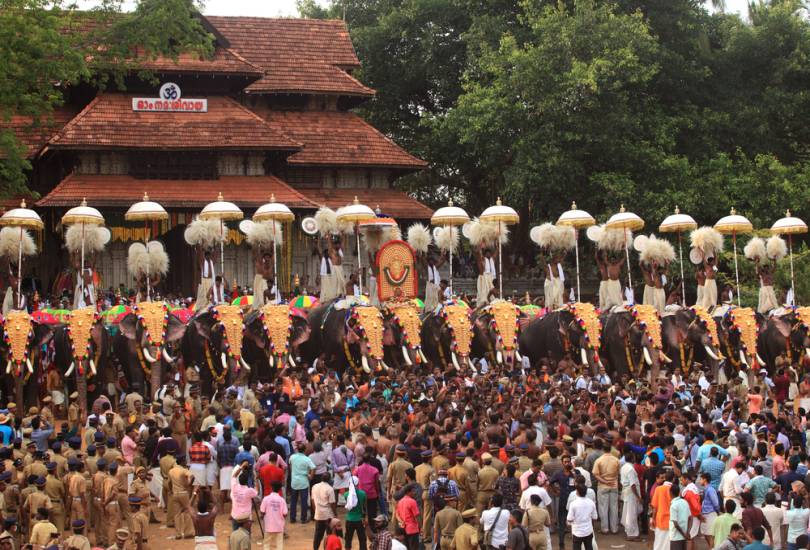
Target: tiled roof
{"x":224,"y":61}
{"x":391,"y":202}
{"x":109,"y":122}
{"x":122,"y":191}
{"x":298,"y":55}
{"x":337,"y":138}
{"x":33,"y":138}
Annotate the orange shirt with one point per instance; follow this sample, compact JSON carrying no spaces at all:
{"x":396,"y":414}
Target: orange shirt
{"x":660,"y":501}
{"x":754,"y":403}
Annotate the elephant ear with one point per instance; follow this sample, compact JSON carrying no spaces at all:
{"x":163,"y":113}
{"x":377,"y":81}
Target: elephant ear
{"x":129,"y":326}
{"x":176,"y":329}
{"x":42,"y":334}
{"x":782,"y":326}
{"x":623,"y":324}
{"x":203,"y":328}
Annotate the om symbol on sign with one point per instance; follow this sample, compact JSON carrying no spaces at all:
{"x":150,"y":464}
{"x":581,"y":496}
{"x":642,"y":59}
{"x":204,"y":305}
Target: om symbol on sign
{"x":170,"y":91}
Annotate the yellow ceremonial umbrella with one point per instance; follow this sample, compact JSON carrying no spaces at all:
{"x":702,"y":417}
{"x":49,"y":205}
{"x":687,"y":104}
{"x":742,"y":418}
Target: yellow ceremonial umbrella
{"x":790,"y":225}
{"x":24,"y":218}
{"x":274,"y":212}
{"x":356,"y":213}
{"x":500,"y":214}
{"x":678,"y":223}
{"x":84,"y":215}
{"x":222,"y":211}
{"x":578,"y":219}
{"x":625,"y":220}
{"x":731,"y":225}
{"x":146,"y":211}
{"x":449,"y":216}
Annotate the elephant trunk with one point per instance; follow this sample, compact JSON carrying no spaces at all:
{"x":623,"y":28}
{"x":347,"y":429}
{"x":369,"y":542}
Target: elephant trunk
{"x":81,"y":389}
{"x":155,"y":377}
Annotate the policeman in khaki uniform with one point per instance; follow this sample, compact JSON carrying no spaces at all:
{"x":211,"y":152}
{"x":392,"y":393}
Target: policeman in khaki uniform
{"x":487,"y":477}
{"x":166,"y":464}
{"x":139,"y":521}
{"x":76,"y":487}
{"x":181,"y":481}
{"x":535,"y":520}
{"x":74,"y":412}
{"x":96,"y":506}
{"x":424,"y":475}
{"x":140,"y":488}
{"x":11,"y":494}
{"x":396,"y":472}
{"x":109,"y":498}
{"x":36,"y":500}
{"x":55,"y":489}
{"x":461,"y":476}
{"x":77,"y":541}
{"x":524,"y":462}
{"x":497,"y":463}
{"x":121,"y":540}
{"x":466,"y":536}
{"x":448,"y":519}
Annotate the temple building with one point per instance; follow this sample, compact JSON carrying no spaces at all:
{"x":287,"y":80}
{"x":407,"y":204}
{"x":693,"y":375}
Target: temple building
{"x":268,"y":114}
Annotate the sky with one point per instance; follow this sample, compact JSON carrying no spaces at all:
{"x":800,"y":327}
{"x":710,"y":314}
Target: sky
{"x":286,"y":8}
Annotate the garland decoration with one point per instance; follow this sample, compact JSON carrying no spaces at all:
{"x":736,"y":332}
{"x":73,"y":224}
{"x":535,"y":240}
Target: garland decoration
{"x":79,"y":328}
{"x":17,"y":334}
{"x":218,"y":378}
{"x":276,"y":320}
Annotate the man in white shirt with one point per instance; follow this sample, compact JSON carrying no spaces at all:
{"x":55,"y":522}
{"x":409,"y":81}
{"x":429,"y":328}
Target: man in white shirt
{"x":730,"y":488}
{"x":581,"y":514}
{"x":631,"y":496}
{"x":496,"y":520}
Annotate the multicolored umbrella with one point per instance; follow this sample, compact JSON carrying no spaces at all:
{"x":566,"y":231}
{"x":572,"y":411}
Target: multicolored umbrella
{"x":304,"y":301}
{"x":243,"y":301}
{"x":114,"y":315}
{"x":460,"y":302}
{"x":182,"y":313}
{"x":418,"y":303}
{"x":44,"y":318}
{"x":62,"y":314}
{"x":532,"y":310}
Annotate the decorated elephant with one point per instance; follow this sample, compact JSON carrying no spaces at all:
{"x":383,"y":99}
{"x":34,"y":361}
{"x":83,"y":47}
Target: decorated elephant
{"x":632,"y":342}
{"x":82,"y":350}
{"x":690,"y":335}
{"x":347,"y":335}
{"x":273,"y":338}
{"x":403,"y":334}
{"x":496,"y":328}
{"x":737,"y":329}
{"x":573,"y":330}
{"x":785,"y":335}
{"x":142,"y":344}
{"x":23,"y":338}
{"x":447,"y":335}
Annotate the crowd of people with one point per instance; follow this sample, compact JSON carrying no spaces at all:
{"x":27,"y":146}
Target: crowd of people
{"x":494,"y":457}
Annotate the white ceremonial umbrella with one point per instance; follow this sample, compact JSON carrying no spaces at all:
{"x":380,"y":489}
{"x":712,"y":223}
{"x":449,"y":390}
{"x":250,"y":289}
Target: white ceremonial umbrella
{"x":274,"y":212}
{"x":24,"y":218}
{"x":678,"y":223}
{"x":222,"y":211}
{"x":731,"y":225}
{"x":449,"y":216}
{"x":355,"y":213}
{"x":500,"y":214}
{"x":625,"y":220}
{"x":790,"y":225}
{"x":578,"y":219}
{"x":146,"y":211}
{"x":84,"y":215}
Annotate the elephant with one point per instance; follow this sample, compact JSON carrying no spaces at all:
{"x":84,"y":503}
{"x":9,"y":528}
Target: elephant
{"x":140,"y":352}
{"x":25,"y":338}
{"x":628,"y":345}
{"x":402,"y":335}
{"x":260,"y":349}
{"x":346,"y":336}
{"x":558,"y":334}
{"x":689,"y":335}
{"x":496,"y":328}
{"x":783,"y":335}
{"x":77,"y":367}
{"x":447,"y":336}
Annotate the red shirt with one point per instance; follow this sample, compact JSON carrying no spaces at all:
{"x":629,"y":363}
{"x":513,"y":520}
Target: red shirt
{"x":199,"y":453}
{"x":268,"y":474}
{"x":408,"y":514}
{"x":334,"y":542}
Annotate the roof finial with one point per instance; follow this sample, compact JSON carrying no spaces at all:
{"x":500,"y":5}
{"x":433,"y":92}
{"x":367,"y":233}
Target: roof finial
{"x":22,"y":204}
{"x":145,"y":196}
{"x":573,"y":205}
{"x":498,"y":202}
{"x":677,"y":210}
{"x":621,"y":210}
{"x":272,"y":197}
{"x":449,"y":202}
{"x":219,"y":197}
{"x":84,"y":201}
{"x":355,"y":200}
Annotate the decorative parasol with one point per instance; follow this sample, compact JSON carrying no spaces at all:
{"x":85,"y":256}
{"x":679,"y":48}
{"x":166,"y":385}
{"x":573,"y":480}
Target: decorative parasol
{"x":84,"y":215}
{"x":274,"y":212}
{"x":304,"y":301}
{"x":790,"y":225}
{"x":356,"y":213}
{"x":500,"y":214}
{"x":625,"y":220}
{"x":532,"y":310}
{"x":244,"y":301}
{"x":222,"y":211}
{"x":448,"y":216}
{"x":731,"y":225}
{"x":578,"y":219}
{"x":418,"y":303}
{"x":115,"y":314}
{"x":24,"y":218}
{"x":146,"y":211}
{"x":678,"y":223}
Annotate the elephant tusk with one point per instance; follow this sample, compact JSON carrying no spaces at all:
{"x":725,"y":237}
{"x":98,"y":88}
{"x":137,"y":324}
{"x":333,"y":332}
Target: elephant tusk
{"x":290,"y":360}
{"x":517,"y":355}
{"x":455,"y":361}
{"x":28,"y":364}
{"x":93,"y":366}
{"x":384,"y":366}
{"x":244,"y":363}
{"x":663,"y":357}
{"x":272,"y":360}
{"x":70,"y":369}
{"x":647,"y":358}
{"x":760,"y":360}
{"x":807,"y":352}
{"x":224,"y":360}
{"x":148,"y":355}
{"x":424,"y":359}
{"x":710,"y":353}
{"x":499,"y":357}
{"x":166,"y":357}
{"x":364,"y":362}
{"x":584,"y":355}
{"x":743,"y":358}
{"x":406,"y":356}
{"x":315,"y":363}
{"x":8,"y":367}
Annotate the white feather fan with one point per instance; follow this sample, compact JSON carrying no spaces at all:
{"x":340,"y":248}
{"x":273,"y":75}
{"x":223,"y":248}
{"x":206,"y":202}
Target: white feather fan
{"x":419,"y":237}
{"x":447,"y":238}
{"x":326,"y":219}
{"x":10,"y":243}
{"x":615,"y":240}
{"x":262,"y":234}
{"x":486,"y":233}
{"x":347,"y":228}
{"x":138,"y":260}
{"x":776,"y":248}
{"x":564,"y":238}
{"x":658,"y":251}
{"x":95,"y":238}
{"x":543,"y":235}
{"x":203,"y":232}
{"x":158,"y":259}
{"x":708,"y":240}
{"x":755,"y":250}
